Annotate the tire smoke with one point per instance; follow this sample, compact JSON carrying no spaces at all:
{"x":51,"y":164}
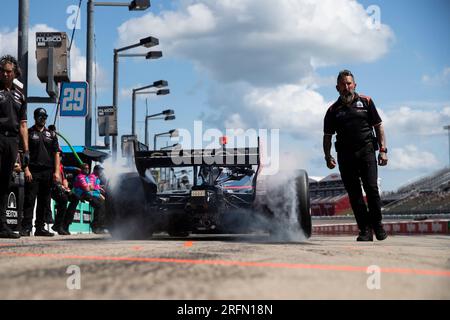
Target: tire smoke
{"x":281,"y":200}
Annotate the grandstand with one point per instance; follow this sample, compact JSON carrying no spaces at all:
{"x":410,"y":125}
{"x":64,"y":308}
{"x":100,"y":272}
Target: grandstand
{"x":328,"y":196}
{"x":435,"y":181}
{"x":427,"y":195}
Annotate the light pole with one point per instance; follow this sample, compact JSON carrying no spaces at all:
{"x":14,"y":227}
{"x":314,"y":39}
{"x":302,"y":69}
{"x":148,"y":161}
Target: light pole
{"x":448,"y":129}
{"x":170,"y":133}
{"x":156,"y":84}
{"x":146,"y":42}
{"x":22,"y":43}
{"x":168,"y":115}
{"x":135,"y":5}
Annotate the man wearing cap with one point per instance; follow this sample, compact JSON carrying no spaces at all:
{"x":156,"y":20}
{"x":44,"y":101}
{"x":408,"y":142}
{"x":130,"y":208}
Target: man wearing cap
{"x":354,"y":117}
{"x":42,"y":171}
{"x":13,"y":123}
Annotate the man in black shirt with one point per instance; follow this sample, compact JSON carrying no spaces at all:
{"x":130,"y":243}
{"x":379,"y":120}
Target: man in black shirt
{"x":353,"y":117}
{"x":40,"y":174}
{"x":13,"y":123}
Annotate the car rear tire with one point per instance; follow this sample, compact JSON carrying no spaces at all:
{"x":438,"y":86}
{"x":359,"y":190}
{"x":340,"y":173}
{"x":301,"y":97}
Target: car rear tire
{"x":303,"y":199}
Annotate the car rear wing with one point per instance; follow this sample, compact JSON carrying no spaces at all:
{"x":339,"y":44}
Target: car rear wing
{"x":223,"y":157}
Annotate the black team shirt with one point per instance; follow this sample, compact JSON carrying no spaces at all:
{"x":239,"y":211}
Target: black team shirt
{"x":43,"y":145}
{"x":353,"y":123}
{"x":12,"y":110}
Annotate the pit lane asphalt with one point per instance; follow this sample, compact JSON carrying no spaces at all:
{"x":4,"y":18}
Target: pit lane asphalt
{"x":225,"y":267}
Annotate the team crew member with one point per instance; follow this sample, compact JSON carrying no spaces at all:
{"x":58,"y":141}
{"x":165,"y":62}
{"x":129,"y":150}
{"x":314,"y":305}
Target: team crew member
{"x":86,"y":187}
{"x":353,"y":117}
{"x":40,"y":174}
{"x":61,"y":193}
{"x":13,"y":123}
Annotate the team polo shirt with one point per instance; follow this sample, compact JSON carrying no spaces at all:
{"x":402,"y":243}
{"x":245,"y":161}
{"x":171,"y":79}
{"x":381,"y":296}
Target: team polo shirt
{"x":43,"y":145}
{"x":13,"y":110}
{"x":352,"y":123}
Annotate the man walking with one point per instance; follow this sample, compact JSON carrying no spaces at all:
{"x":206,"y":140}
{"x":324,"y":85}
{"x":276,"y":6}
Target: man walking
{"x":353,"y":117}
{"x":43,"y":170}
{"x":13,"y":123}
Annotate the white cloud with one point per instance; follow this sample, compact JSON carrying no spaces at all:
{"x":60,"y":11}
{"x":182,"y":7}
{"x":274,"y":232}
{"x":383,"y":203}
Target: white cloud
{"x":446,"y":112}
{"x":263,"y":55}
{"x":8,"y":45}
{"x":195,"y":20}
{"x":262,"y":42}
{"x":410,"y":158}
{"x":8,"y":42}
{"x":127,"y":93}
{"x":439,"y":79}
{"x":415,"y":121}
{"x":292,"y":108}
{"x":295,"y":109}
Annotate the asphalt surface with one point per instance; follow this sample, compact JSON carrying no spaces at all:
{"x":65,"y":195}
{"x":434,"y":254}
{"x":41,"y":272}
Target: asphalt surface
{"x":224,"y":267}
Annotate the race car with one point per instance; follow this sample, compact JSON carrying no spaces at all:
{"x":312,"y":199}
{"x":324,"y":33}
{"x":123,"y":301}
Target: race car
{"x":214,"y":191}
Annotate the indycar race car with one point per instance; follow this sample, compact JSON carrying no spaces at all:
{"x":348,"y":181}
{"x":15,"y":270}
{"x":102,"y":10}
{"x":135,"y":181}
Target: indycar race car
{"x":204,"y":191}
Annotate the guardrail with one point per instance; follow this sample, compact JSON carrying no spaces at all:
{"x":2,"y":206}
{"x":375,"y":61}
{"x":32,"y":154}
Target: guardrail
{"x":420,"y":216}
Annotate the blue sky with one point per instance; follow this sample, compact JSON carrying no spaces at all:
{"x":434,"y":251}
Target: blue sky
{"x":260,"y":64}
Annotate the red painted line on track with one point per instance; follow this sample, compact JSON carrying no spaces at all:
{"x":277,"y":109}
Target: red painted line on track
{"x":441,"y":273}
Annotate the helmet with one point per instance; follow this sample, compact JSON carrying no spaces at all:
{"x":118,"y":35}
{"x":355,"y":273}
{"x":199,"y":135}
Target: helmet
{"x":40,"y":112}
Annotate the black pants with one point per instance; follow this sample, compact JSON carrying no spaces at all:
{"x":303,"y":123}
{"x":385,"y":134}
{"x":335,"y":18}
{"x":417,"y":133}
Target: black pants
{"x":357,"y":167}
{"x":99,"y":210}
{"x":40,"y":188}
{"x":62,"y":218}
{"x":8,"y":155}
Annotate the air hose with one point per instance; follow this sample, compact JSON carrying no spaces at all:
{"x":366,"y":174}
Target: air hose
{"x":71,"y":148}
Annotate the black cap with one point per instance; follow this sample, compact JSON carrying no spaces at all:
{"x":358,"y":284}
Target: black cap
{"x":39,"y":112}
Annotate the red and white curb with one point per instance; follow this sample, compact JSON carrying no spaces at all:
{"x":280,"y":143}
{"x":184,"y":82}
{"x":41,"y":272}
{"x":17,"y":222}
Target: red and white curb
{"x":398,"y":227}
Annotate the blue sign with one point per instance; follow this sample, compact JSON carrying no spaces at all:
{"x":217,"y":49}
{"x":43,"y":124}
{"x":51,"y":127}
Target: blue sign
{"x":73,"y":99}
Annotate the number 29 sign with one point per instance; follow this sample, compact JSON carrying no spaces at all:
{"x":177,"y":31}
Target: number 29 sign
{"x":73,"y":99}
